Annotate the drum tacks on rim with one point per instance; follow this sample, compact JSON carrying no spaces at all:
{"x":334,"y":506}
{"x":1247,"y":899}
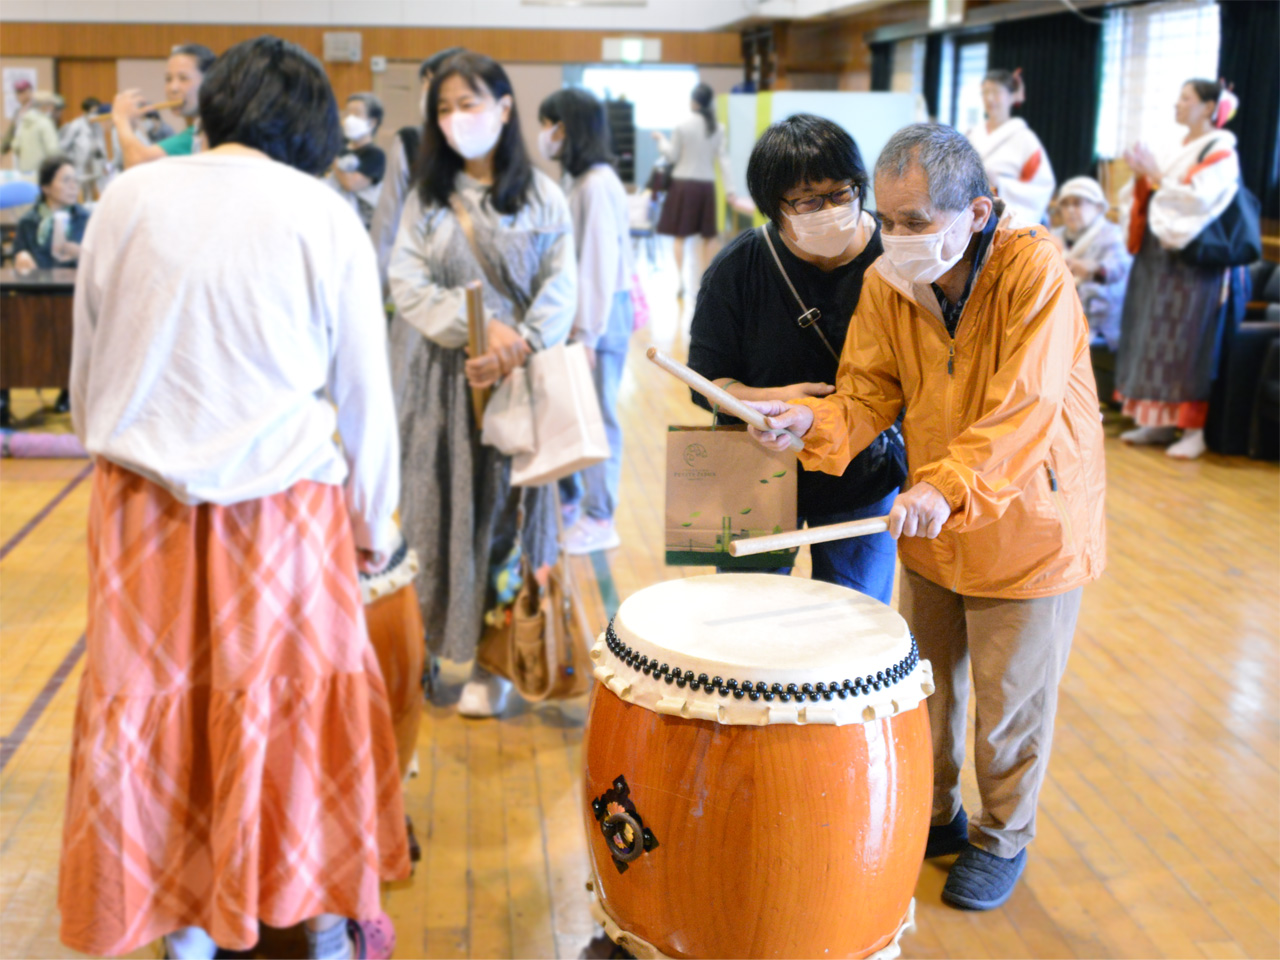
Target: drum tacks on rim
{"x":758,"y":770}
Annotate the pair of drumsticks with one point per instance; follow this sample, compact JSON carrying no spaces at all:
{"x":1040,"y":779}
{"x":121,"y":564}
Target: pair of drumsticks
{"x":731,"y":404}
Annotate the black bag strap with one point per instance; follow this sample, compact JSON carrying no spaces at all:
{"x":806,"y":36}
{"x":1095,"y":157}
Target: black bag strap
{"x":809,"y":316}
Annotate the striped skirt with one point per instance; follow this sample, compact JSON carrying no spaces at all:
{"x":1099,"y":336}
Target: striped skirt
{"x":233,"y":758}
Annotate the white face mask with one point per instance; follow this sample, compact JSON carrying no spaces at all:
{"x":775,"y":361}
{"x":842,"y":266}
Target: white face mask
{"x":472,"y":135}
{"x":355,"y":128}
{"x":827,"y":232}
{"x":922,"y":258}
{"x":549,"y":148}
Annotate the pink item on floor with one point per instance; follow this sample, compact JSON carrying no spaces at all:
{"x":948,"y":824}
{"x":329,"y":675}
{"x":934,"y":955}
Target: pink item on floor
{"x":45,"y":446}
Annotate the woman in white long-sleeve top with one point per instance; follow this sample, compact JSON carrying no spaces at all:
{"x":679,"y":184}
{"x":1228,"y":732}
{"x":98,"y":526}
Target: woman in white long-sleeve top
{"x":458,"y":509}
{"x":1174,"y":309}
{"x":234,"y":762}
{"x":697,"y":145}
{"x":575,"y":132}
{"x":1013,"y":156}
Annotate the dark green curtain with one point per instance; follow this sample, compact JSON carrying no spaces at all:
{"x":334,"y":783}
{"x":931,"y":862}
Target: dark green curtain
{"x":932,"y":72}
{"x":1061,"y":60}
{"x":881,"y":66}
{"x":1249,"y":59}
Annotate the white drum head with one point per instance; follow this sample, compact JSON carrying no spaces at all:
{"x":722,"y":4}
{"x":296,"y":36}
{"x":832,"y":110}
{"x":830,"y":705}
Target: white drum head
{"x":761,"y":648}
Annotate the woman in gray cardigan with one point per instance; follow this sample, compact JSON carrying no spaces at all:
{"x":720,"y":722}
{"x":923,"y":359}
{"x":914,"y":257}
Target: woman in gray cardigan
{"x":458,"y":508}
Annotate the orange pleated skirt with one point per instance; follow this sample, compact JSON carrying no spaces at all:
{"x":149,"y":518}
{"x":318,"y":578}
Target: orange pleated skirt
{"x":233,"y":759}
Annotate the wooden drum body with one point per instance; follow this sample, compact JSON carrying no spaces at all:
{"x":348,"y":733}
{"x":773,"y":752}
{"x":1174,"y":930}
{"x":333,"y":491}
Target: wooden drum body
{"x":760,"y":821}
{"x":394,"y":619}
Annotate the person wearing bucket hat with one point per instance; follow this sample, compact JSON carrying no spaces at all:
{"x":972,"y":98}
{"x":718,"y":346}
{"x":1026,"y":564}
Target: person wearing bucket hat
{"x":37,"y":136}
{"x":24,"y":92}
{"x":1094,"y":249}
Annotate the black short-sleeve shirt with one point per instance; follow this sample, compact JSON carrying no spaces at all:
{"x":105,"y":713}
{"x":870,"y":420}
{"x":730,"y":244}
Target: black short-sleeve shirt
{"x":370,"y":161}
{"x":744,"y":327}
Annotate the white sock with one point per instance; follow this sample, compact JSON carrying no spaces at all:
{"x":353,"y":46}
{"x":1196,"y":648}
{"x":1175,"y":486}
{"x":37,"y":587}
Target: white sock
{"x":330,"y":944}
{"x":1190,"y":447}
{"x":190,"y":943}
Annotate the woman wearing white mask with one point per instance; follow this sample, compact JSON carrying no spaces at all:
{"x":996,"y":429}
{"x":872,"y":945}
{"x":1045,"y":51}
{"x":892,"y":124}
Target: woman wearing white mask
{"x":575,"y":132}
{"x":773,"y":311}
{"x":1013,"y":156}
{"x":358,"y":171}
{"x":479,"y":211}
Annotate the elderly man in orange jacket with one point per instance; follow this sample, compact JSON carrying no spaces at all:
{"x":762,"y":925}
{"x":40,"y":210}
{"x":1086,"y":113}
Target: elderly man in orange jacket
{"x":970,"y":320}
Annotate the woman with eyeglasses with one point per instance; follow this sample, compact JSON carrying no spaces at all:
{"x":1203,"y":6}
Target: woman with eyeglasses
{"x":771,"y":319}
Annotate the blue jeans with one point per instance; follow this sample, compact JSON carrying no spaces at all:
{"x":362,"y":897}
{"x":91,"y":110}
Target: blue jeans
{"x":601,"y":481}
{"x":865,"y":564}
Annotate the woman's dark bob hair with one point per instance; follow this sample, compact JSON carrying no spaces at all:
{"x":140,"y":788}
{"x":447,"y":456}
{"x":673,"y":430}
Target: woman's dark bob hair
{"x":586,"y":130}
{"x":801,"y":149}
{"x":273,"y":96}
{"x":439,"y":164}
{"x":49,"y":168}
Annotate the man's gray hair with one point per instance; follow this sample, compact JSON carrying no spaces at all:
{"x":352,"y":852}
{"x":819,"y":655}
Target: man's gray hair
{"x":951,"y":165}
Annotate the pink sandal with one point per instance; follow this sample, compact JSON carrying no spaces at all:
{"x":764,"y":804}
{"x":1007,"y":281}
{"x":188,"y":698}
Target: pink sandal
{"x":374,"y":939}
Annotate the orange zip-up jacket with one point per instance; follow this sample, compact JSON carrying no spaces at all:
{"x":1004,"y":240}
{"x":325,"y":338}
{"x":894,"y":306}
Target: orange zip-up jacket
{"x":1003,"y":419}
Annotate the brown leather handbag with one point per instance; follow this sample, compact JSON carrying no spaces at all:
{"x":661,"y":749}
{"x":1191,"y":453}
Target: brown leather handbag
{"x":542,"y":645}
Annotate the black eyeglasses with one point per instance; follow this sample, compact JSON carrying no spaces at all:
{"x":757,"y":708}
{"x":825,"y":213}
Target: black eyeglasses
{"x":837,"y":198}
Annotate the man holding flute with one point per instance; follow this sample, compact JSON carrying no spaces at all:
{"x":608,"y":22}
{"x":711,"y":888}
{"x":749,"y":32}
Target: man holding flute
{"x":188,"y":63}
{"x":970,"y":322}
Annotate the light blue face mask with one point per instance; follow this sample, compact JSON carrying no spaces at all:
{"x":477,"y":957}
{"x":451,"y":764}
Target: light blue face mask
{"x":919,"y":258}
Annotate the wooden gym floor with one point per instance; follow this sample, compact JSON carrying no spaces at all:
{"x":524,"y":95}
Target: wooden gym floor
{"x":1159,"y":828}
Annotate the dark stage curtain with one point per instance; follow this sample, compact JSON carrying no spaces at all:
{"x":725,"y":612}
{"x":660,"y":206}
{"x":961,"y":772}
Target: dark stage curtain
{"x":881,"y":66}
{"x":1249,"y":58}
{"x":1061,"y":60}
{"x":932,"y":72}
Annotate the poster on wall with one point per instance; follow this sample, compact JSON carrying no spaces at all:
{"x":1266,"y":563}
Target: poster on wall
{"x":11,"y":76}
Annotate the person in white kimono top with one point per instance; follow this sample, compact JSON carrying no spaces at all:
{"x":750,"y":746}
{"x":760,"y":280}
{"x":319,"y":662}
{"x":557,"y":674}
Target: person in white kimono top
{"x":1095,"y":252}
{"x":1174,"y":309}
{"x":1013,"y":156}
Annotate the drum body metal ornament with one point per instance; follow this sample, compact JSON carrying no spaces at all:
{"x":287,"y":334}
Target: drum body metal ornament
{"x":758,"y":771}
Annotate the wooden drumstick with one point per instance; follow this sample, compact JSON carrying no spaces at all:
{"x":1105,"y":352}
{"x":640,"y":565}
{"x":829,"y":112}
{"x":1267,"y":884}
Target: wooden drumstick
{"x":477,"y":342}
{"x":719,"y":396}
{"x":167,"y":105}
{"x":798,"y":538}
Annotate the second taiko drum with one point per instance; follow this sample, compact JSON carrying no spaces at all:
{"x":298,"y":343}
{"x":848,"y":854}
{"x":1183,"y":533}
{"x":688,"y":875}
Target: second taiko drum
{"x":758,"y":773}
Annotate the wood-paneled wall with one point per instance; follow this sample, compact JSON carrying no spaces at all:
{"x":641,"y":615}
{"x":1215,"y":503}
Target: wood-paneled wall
{"x":833,"y":54}
{"x":98,"y":41}
{"x":80,"y":78}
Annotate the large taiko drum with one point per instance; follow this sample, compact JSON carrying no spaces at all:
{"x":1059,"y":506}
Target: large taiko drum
{"x":758,"y":771}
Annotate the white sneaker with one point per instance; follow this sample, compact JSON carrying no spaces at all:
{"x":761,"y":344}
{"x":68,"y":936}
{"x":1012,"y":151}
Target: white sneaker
{"x":1190,"y":447}
{"x":484,"y":696}
{"x":588,"y":536}
{"x":1150,"y":435}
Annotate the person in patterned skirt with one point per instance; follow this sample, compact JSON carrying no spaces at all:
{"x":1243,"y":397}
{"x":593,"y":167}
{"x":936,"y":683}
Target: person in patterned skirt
{"x":233,"y":760}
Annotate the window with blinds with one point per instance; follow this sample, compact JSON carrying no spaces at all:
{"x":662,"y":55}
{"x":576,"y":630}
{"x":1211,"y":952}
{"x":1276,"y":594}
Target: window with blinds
{"x":971,"y":67}
{"x":908,"y":66}
{"x":1148,"y":53}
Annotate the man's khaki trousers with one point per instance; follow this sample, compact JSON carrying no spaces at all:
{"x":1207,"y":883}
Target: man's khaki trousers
{"x":1018,"y":651}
